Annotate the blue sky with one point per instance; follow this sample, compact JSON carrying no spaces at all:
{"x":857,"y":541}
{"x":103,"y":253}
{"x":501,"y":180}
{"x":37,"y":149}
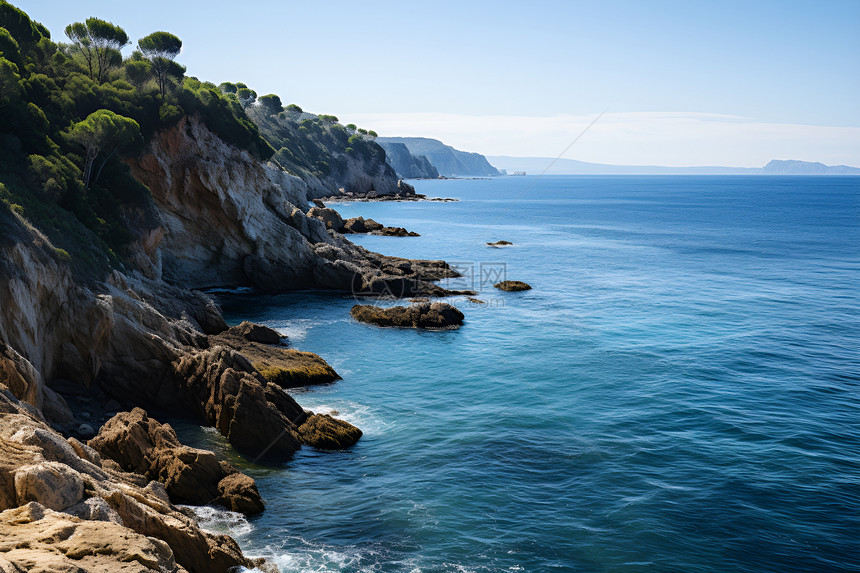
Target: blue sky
{"x":683,"y":82}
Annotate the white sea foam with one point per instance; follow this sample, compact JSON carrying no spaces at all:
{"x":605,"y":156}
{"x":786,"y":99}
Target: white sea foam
{"x":219,"y":520}
{"x":369,"y":420}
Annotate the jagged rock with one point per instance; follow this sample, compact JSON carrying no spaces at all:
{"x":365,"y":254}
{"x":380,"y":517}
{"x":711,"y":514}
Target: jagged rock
{"x":329,"y":217}
{"x":419,"y":315}
{"x":142,"y":445}
{"x":327,"y":433}
{"x":85,"y":452}
{"x":372,"y":225}
{"x":512,"y":286}
{"x":37,"y":539}
{"x":394,"y":232}
{"x":33,"y":457}
{"x":500,"y":243}
{"x":355,"y":225}
{"x":256,"y":333}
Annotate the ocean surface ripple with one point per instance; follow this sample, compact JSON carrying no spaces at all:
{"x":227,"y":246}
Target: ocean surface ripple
{"x":679,"y":392}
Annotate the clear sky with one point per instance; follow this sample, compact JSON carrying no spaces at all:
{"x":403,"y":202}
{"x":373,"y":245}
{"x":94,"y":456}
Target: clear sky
{"x":682,"y":82}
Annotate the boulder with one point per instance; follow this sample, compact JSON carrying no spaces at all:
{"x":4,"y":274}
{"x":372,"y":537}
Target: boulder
{"x":372,"y":225}
{"x":500,"y":243}
{"x":52,"y":484}
{"x":418,"y":315}
{"x":355,"y":225}
{"x":512,"y":286}
{"x":142,"y":445}
{"x":256,"y":333}
{"x":329,"y":217}
{"x":238,"y":492}
{"x":326,"y":433}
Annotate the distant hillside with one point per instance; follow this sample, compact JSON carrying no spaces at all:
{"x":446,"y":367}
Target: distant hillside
{"x":406,"y":165}
{"x":794,"y":167}
{"x":448,"y":161}
{"x":538,"y":165}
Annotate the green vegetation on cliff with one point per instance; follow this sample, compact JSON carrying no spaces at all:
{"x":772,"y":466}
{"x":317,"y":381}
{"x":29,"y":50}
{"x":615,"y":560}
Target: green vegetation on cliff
{"x":67,"y":111}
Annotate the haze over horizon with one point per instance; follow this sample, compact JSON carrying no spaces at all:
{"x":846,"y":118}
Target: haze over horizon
{"x":679,"y":84}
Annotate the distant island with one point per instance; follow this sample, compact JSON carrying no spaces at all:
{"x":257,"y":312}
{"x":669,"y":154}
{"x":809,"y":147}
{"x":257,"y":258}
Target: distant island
{"x":550,"y":166}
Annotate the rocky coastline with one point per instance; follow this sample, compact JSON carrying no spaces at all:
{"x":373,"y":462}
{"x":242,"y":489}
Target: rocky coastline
{"x":83,"y":360}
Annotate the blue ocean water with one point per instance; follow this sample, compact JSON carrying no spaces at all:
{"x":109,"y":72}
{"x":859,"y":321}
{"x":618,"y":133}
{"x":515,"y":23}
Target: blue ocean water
{"x":680,"y":391}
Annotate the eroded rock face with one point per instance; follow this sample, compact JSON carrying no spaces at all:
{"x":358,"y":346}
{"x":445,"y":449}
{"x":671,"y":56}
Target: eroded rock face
{"x":37,"y":539}
{"x":418,"y":315}
{"x":142,"y":445}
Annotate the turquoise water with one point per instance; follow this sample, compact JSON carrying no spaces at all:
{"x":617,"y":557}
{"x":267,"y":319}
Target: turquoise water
{"x":679,"y":391}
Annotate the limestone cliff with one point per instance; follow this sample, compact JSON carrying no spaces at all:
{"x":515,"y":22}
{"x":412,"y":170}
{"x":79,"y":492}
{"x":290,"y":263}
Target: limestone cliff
{"x":406,"y":165}
{"x":448,"y":161}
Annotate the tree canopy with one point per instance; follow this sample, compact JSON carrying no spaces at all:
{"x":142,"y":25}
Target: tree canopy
{"x":161,"y":48}
{"x":102,"y":133}
{"x":99,"y":43}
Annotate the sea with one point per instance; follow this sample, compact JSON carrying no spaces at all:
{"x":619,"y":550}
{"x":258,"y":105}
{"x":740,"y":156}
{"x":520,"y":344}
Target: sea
{"x":679,"y":391}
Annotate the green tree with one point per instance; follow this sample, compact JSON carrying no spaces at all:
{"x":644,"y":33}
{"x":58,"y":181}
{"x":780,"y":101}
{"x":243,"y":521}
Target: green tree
{"x":228,"y":88}
{"x":161,"y":48}
{"x":103,"y":133}
{"x":99,"y":42}
{"x":372,"y":133}
{"x":271,"y":104}
{"x":247,"y":96}
{"x":138,"y":72}
{"x":351,"y":126}
{"x":294,"y":108}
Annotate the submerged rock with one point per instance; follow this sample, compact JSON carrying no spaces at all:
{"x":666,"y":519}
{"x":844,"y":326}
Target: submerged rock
{"x":513,"y":286}
{"x":327,"y":433}
{"x":418,"y":315}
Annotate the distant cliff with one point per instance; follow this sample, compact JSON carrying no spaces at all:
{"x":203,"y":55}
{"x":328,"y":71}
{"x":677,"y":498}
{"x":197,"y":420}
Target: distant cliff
{"x":448,"y":161}
{"x":406,"y":165}
{"x":794,"y":167}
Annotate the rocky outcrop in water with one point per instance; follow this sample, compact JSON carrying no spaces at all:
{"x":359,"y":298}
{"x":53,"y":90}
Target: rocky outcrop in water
{"x":418,"y":315}
{"x":286,"y":367}
{"x":512,"y":286}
